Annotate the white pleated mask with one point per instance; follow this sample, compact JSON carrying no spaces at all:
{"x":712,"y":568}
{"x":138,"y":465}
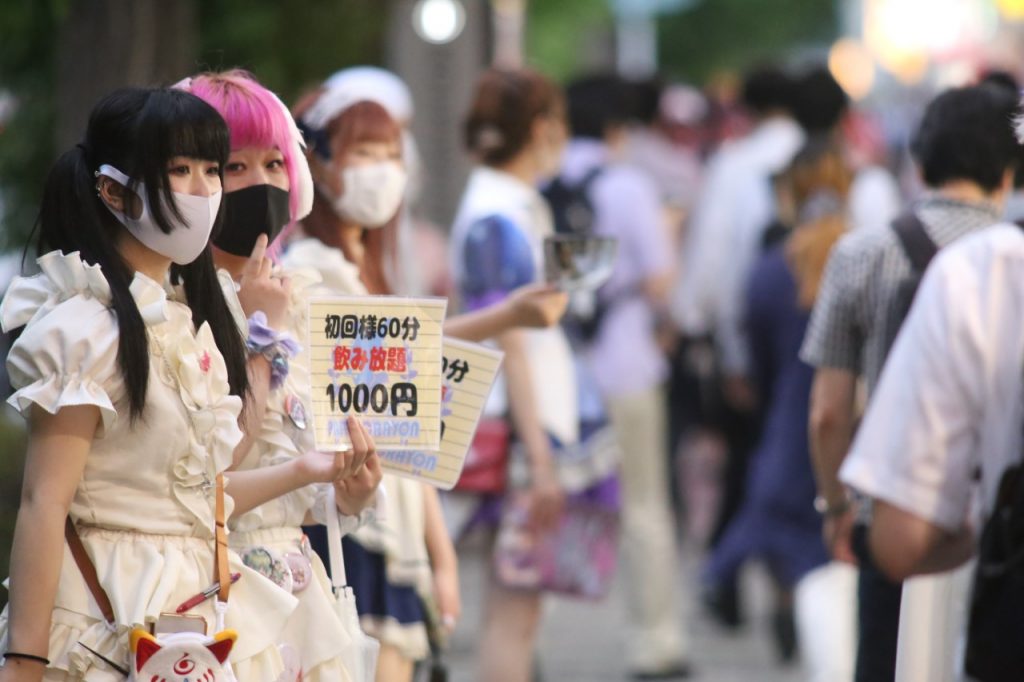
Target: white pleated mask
{"x":186,"y":241}
{"x":372,"y":193}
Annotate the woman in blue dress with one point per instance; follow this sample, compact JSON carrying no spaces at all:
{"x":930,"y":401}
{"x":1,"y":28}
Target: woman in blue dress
{"x":778,"y":523}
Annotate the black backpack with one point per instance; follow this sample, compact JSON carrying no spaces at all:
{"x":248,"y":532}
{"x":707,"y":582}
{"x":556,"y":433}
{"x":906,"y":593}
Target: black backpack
{"x":919,"y":249}
{"x":995,"y":619}
{"x":573,"y":214}
{"x":571,"y":208}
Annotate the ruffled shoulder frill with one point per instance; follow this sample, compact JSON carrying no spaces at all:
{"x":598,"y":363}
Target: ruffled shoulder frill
{"x":67,"y":353}
{"x":338,"y":276}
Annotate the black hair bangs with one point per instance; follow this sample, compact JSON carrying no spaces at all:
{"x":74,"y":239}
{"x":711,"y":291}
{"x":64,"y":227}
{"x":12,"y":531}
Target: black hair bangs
{"x":175,"y":123}
{"x":184,"y":125}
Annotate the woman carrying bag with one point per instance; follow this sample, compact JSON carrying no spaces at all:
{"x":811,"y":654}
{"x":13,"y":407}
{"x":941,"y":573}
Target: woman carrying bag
{"x":131,"y":371}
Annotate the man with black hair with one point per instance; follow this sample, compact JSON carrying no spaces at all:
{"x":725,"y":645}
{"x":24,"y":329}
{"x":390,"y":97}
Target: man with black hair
{"x":967,"y":155}
{"x":662,"y":141}
{"x":737,"y":204}
{"x":629,"y":367}
{"x":820,"y":106}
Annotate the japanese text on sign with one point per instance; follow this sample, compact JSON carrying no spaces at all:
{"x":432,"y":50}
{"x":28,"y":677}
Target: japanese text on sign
{"x":468,"y":371}
{"x":379,"y":358}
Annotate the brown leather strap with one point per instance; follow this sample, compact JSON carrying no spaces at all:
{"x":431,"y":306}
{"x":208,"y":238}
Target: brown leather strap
{"x":92,"y":581}
{"x":88,"y":570}
{"x":221,"y":551}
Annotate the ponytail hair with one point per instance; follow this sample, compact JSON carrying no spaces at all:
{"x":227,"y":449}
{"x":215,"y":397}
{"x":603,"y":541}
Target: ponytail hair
{"x":139,"y":130}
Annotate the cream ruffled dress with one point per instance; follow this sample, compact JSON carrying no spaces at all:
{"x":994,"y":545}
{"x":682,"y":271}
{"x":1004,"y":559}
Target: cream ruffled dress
{"x":399,"y":530}
{"x":314,"y":636}
{"x":145,"y":506}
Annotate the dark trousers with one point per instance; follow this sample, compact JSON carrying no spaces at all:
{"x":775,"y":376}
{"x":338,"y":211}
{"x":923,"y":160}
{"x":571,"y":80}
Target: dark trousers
{"x":878,"y":604}
{"x":742,"y":430}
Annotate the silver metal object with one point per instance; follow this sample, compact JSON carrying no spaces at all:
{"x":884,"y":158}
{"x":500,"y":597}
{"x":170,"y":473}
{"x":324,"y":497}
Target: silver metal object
{"x":579,"y":262}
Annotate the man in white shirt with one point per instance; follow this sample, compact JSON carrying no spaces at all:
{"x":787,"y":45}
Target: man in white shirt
{"x":736,"y":204}
{"x":734,"y":208}
{"x":946,"y":419}
{"x":966,"y":153}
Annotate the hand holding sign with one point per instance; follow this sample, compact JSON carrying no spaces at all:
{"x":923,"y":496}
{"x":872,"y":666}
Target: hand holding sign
{"x":355,"y":487}
{"x":316,"y":466}
{"x":354,"y":493}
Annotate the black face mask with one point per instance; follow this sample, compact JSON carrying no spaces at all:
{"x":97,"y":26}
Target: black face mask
{"x":250,"y":212}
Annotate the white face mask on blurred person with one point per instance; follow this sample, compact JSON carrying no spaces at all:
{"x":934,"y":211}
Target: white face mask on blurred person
{"x":372,"y":193}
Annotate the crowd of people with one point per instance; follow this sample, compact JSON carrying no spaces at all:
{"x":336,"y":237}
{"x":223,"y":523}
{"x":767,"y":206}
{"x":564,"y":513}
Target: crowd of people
{"x":772,"y":287}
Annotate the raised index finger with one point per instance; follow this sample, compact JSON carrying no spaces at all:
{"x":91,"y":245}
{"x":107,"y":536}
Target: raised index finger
{"x":259,"y":252}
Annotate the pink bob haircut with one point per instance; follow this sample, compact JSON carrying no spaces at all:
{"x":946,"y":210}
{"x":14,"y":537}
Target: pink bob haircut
{"x":257,"y":118}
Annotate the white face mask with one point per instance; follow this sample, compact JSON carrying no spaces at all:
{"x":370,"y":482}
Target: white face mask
{"x":372,"y":193}
{"x":186,"y":241}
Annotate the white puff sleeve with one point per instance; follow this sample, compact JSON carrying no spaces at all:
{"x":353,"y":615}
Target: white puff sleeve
{"x":67,"y":351}
{"x":67,"y":358}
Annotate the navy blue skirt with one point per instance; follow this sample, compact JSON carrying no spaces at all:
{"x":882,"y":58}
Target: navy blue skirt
{"x":367,"y":576}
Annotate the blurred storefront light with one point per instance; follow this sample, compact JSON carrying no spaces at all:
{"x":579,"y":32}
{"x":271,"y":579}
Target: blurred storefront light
{"x":905,"y":36}
{"x":1011,"y":9}
{"x":439,"y":21}
{"x":852,"y":67}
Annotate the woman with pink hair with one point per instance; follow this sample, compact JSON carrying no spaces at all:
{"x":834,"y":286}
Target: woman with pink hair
{"x":267,"y":187}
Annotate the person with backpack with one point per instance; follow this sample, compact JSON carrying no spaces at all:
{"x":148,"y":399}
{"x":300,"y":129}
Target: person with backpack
{"x":627,"y":363}
{"x":939,"y":449}
{"x":967,"y":156}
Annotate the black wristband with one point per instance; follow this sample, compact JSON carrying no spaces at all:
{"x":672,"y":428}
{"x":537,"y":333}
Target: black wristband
{"x":27,"y":657}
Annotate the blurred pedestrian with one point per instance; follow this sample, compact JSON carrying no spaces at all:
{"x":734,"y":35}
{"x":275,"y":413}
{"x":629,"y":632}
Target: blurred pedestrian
{"x":630,"y":366}
{"x":663,"y":140}
{"x":821,"y":107}
{"x":515,"y":128}
{"x":736,"y":205}
{"x":938,"y":451}
{"x":777,"y":522}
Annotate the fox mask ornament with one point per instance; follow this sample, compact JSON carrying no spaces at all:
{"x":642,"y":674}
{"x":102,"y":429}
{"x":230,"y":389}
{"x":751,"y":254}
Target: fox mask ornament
{"x":180,"y":657}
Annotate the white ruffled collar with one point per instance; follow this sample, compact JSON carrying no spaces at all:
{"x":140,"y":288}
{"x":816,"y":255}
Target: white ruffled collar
{"x":186,"y":359}
{"x":64,"y":276}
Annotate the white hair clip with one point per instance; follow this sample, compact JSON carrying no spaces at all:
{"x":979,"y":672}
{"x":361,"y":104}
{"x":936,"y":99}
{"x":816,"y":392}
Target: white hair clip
{"x":331,"y":103}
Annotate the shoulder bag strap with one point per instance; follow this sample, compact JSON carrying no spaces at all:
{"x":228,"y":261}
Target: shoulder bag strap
{"x":916,"y":243}
{"x":221,"y":550}
{"x":88,"y":570}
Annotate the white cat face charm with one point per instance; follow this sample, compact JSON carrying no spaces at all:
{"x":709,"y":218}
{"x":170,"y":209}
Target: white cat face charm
{"x":180,"y":657}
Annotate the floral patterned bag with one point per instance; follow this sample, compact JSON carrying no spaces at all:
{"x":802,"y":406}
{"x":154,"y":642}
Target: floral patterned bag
{"x":577,"y":557}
